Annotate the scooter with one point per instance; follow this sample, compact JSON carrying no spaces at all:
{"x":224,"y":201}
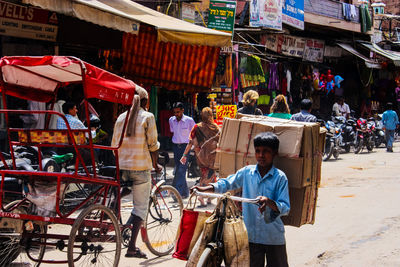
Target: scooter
{"x":332,"y":140}
{"x":378,"y":132}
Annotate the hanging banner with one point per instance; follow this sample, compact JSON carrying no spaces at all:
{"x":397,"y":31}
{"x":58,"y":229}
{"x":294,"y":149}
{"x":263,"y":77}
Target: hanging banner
{"x":27,"y":22}
{"x":293,"y":13}
{"x":284,"y":44}
{"x":188,"y":12}
{"x":266,"y":13}
{"x":222,"y":15}
{"x":314,"y":50}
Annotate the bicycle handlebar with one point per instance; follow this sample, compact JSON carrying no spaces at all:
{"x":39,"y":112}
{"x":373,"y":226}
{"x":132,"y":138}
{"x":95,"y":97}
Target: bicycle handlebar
{"x":239,"y":199}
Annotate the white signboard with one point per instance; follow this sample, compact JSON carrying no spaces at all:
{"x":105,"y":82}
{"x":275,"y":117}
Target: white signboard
{"x":266,"y":13}
{"x":314,"y":50}
{"x":284,"y":44}
{"x":188,"y":12}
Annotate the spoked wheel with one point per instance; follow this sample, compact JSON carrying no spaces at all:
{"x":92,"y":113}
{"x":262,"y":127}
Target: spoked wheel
{"x":17,"y":244}
{"x":95,"y":238}
{"x":161,"y":225}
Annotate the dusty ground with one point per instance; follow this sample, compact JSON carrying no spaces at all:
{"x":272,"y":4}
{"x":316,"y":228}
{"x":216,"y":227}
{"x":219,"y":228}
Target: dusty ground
{"x":357,"y":220}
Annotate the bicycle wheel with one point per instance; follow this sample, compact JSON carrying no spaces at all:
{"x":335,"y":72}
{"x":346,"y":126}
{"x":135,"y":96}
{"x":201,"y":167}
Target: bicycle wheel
{"x":161,"y":225}
{"x":95,"y":238}
{"x":209,"y":258}
{"x":15,"y":245}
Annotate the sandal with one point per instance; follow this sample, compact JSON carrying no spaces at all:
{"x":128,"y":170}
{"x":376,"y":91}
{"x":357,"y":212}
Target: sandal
{"x":136,"y":254}
{"x":202,"y":206}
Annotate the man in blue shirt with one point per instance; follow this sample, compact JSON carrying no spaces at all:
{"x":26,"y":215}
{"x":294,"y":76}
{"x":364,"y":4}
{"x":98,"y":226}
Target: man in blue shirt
{"x":181,"y":126}
{"x":70,"y":112}
{"x":264,"y":226}
{"x":304,"y":114}
{"x":390,"y":123}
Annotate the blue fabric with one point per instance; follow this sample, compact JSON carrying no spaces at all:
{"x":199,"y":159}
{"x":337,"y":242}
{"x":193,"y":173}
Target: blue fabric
{"x":179,"y":181}
{"x":267,"y":228}
{"x":390,"y":119}
{"x":73,"y":122}
{"x":303,"y":115}
{"x":389,"y":135}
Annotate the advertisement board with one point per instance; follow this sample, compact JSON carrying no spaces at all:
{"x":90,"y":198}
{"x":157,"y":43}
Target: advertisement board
{"x":314,"y":50}
{"x":226,"y":111}
{"x":284,"y":44}
{"x":266,"y":13}
{"x":188,"y":12}
{"x":222,"y":15}
{"x":293,"y":13}
{"x":28,"y":22}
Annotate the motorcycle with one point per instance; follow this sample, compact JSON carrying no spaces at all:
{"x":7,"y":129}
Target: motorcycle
{"x":332,"y":140}
{"x":364,"y":136}
{"x":348,"y":133}
{"x":378,"y":132}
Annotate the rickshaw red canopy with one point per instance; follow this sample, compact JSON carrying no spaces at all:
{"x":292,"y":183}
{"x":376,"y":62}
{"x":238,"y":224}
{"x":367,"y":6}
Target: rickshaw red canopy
{"x":37,"y":78}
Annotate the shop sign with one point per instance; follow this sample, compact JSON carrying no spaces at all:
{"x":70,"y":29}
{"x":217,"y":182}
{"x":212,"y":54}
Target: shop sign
{"x":27,"y":22}
{"x":226,"y":111}
{"x":222,"y":15}
{"x":333,"y":51}
{"x":284,"y":44}
{"x":266,"y":13}
{"x":314,"y":50}
{"x":210,"y":96}
{"x":188,"y":12}
{"x":293,"y":13}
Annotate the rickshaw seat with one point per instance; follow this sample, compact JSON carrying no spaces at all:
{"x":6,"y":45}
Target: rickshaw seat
{"x":30,"y":136}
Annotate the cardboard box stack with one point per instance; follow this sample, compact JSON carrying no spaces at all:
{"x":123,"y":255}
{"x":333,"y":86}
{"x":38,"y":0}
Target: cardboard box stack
{"x":300,"y":157}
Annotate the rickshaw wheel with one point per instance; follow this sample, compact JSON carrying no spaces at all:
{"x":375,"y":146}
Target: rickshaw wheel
{"x":95,"y":238}
{"x":17,"y":248}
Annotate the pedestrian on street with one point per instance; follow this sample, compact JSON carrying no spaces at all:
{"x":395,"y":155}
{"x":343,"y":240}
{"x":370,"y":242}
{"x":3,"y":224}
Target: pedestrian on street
{"x":304,"y":114}
{"x":180,"y":126}
{"x":204,"y":137}
{"x":390,"y":122}
{"x":249,"y":104}
{"x":137,"y":156}
{"x":264,"y":225}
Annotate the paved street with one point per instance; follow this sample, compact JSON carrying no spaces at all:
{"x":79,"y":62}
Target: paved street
{"x":357,"y":223}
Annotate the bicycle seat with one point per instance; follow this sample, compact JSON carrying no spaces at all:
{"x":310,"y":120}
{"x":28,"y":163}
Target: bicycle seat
{"x":62,"y":158}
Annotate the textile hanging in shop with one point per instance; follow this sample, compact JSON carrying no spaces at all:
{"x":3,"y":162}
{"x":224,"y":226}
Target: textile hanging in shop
{"x":170,"y":65}
{"x":254,"y":70}
{"x":246,"y":83}
{"x":154,"y":102}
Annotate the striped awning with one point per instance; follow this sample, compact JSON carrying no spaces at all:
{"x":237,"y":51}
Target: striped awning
{"x":170,"y":65}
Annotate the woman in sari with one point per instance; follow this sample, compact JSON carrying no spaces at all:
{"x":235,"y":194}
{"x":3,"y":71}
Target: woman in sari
{"x":204,"y":138}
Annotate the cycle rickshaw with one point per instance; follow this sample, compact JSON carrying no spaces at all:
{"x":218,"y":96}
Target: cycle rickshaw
{"x":38,"y":226}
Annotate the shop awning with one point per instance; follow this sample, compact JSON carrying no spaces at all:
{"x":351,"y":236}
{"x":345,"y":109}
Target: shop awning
{"x":368,"y":62}
{"x":126,"y":16}
{"x":395,"y":57}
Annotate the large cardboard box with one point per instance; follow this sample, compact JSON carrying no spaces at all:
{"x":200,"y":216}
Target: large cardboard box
{"x":300,"y":157}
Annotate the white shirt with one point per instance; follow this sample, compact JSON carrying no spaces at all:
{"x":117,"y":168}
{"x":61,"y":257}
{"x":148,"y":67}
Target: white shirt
{"x":181,"y":129}
{"x":341,"y":110}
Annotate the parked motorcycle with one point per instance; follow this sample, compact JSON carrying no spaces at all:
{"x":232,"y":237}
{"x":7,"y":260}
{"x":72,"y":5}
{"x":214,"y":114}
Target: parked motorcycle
{"x":332,"y":140}
{"x":378,"y":132}
{"x":348,"y":132}
{"x":364,"y":136}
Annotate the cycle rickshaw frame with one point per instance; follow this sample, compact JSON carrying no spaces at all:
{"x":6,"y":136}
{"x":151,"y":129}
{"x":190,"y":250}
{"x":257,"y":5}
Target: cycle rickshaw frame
{"x":38,"y":79}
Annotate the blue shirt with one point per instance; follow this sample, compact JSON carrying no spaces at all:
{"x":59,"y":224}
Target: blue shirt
{"x":181,"y":129}
{"x":73,"y":122}
{"x":273,"y":185}
{"x":304,"y":115}
{"x":390,"y":119}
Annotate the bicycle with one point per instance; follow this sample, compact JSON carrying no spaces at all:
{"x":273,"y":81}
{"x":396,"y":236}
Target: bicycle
{"x":214,"y":254}
{"x":159,"y":230}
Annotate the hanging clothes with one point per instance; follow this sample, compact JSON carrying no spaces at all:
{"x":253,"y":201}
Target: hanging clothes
{"x":254,"y":71}
{"x":273,"y":83}
{"x":346,"y":11}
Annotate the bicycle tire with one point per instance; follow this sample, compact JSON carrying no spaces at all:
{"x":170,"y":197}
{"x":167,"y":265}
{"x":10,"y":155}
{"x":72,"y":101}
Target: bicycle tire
{"x":206,"y":258}
{"x":155,"y":222}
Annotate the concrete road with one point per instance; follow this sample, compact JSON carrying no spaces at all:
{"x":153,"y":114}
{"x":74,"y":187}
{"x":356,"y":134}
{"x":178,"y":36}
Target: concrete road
{"x":357,"y":221}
